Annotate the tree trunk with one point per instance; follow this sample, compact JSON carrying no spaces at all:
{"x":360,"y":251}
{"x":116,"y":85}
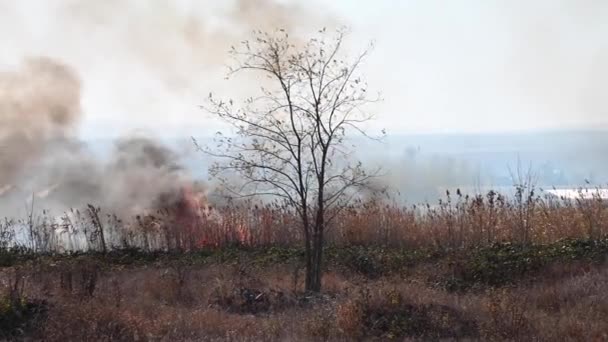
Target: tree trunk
{"x":308,"y":250}
{"x":315,"y":259}
{"x":309,"y":264}
{"x":314,"y":264}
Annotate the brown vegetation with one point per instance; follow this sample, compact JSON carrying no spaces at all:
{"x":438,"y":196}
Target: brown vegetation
{"x":462,"y":269}
{"x":166,"y":301}
{"x":457,"y":221}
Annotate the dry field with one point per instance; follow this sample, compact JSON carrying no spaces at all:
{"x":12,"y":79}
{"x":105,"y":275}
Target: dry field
{"x":483,"y":268}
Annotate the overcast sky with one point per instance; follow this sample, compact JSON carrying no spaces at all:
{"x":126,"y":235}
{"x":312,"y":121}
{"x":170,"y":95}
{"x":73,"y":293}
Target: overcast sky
{"x":442,"y":66}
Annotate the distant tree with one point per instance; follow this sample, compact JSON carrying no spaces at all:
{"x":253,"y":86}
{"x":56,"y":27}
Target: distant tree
{"x":290,"y":141}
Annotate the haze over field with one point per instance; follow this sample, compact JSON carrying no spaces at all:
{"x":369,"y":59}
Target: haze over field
{"x":456,"y":67}
{"x":76,"y":75}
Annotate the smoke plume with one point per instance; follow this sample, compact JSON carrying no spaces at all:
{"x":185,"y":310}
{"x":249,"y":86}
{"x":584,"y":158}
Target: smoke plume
{"x":165,"y":53}
{"x":39,"y":106}
{"x":149,"y":63}
{"x":41,"y":156}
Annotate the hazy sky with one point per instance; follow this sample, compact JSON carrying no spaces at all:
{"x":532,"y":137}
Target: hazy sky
{"x":442,"y":66}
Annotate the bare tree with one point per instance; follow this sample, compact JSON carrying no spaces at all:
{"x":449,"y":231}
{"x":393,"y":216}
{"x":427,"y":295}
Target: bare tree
{"x":290,"y":142}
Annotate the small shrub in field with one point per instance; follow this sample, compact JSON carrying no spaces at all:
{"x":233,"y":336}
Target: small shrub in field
{"x":360,"y":260}
{"x":386,"y":314}
{"x":350,"y":317}
{"x":373,"y":262}
{"x":427,"y":321}
{"x":507,"y":317}
{"x":18,"y":316}
{"x":497,"y":265}
{"x":319,"y":324}
{"x":505,"y":263}
{"x":76,"y":322}
{"x":246,"y":300}
{"x":80,"y":279}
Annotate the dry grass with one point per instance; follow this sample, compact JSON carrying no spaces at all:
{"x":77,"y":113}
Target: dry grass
{"x":457,"y":221}
{"x":225,"y":301}
{"x":420,"y":273}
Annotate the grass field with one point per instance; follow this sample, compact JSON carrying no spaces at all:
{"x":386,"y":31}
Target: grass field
{"x":484,"y":268}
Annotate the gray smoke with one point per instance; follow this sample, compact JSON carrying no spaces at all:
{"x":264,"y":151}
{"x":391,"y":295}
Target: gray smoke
{"x":170,"y":48}
{"x":41,"y":157}
{"x":39,"y":106}
{"x":149,"y":63}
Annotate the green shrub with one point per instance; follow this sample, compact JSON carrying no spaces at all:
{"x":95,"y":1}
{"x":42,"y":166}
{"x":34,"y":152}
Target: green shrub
{"x":18,"y":316}
{"x":504,"y":263}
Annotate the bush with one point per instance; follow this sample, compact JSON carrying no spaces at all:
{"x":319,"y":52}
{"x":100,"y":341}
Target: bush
{"x":387,"y":315}
{"x":374,"y":262}
{"x":18,"y":316}
{"x":505,"y":263}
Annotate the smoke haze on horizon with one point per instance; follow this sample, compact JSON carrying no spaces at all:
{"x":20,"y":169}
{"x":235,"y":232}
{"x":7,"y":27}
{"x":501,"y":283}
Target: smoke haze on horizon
{"x":80,"y":71}
{"x":459,"y":67}
{"x":46,"y":155}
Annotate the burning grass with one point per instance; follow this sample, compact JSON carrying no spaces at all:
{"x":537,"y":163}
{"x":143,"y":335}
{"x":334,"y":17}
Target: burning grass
{"x":188,"y":223}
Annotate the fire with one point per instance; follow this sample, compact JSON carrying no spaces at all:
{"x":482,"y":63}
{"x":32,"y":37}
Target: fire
{"x":205,"y":227}
{"x":189,"y":210}
{"x":181,"y":219}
